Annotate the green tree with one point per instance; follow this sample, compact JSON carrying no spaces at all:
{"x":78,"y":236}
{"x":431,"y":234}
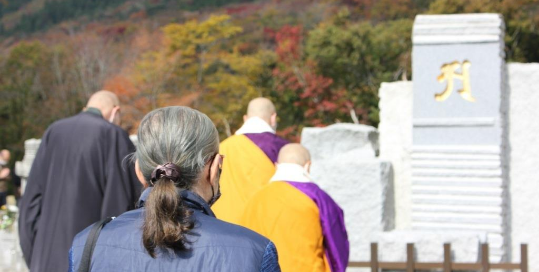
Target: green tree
{"x":359,"y":56}
{"x":21,"y":93}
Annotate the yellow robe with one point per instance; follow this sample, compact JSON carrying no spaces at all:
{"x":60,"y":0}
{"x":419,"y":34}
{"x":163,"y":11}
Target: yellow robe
{"x":246,"y":169}
{"x":291,"y":220}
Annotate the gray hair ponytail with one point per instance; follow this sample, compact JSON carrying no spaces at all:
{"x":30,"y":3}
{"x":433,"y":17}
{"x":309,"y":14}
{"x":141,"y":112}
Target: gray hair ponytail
{"x":188,"y":139}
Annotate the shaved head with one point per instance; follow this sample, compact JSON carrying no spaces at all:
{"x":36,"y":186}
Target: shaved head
{"x":294,"y":153}
{"x":103,"y":99}
{"x":108,"y":103}
{"x":261,"y":107}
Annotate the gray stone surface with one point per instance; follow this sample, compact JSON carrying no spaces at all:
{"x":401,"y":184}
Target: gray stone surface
{"x":344,"y":166}
{"x":457,"y":121}
{"x":458,"y":28}
{"x":395,"y":130}
{"x":364,"y":191}
{"x":22,"y":168}
{"x":458,"y":158}
{"x":341,"y":140}
{"x":524,"y":162}
{"x":11,"y":259}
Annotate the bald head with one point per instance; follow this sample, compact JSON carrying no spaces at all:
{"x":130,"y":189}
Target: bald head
{"x":261,"y":107}
{"x":294,"y":153}
{"x":103,"y":99}
{"x":107,"y":102}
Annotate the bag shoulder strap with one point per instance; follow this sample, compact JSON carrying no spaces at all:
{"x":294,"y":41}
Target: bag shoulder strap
{"x":90,"y":244}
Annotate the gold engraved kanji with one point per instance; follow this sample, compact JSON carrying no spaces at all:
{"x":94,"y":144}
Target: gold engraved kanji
{"x":449,"y":74}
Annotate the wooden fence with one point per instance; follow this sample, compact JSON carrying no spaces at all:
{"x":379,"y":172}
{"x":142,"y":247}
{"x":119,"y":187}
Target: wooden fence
{"x":448,"y":265}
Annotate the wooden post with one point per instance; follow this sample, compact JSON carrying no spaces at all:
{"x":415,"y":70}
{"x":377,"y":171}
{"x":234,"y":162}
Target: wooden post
{"x":374,"y":257}
{"x":447,"y":257}
{"x":524,"y":258}
{"x":409,"y":257}
{"x":485,"y":265}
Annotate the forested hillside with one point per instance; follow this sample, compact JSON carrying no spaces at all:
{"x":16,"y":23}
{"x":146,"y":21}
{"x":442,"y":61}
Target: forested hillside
{"x":320,"y":61}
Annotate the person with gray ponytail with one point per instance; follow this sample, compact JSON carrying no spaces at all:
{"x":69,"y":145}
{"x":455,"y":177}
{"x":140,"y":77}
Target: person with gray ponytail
{"x":174,"y":228}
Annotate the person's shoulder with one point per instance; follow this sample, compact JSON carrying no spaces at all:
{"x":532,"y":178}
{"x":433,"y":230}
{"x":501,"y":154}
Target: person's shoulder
{"x":232,"y":139}
{"x":323,"y":195}
{"x":228,"y":234}
{"x":319,"y":190}
{"x":100,"y":124}
{"x":126,"y":223}
{"x":81,"y":237}
{"x":63,"y":122}
{"x":280,"y":139}
{"x":273,"y":186}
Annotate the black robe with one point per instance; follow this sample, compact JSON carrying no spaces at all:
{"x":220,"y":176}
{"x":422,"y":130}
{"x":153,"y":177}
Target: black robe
{"x":80,"y":175}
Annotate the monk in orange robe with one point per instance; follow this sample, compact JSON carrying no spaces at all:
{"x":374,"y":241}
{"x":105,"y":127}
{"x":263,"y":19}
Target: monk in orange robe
{"x":302,"y":220}
{"x":250,"y":159}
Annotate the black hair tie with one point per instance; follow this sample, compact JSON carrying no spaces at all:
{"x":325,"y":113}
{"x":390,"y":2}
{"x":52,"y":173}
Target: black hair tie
{"x":167,"y":170}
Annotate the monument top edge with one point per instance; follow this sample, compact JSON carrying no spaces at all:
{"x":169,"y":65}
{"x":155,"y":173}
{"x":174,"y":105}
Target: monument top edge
{"x":471,"y":17}
{"x":458,"y":28}
{"x":346,"y":126}
{"x":470,"y":20}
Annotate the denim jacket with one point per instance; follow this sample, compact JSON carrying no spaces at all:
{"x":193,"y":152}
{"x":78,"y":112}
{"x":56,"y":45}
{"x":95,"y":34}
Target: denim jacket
{"x":214,"y":245}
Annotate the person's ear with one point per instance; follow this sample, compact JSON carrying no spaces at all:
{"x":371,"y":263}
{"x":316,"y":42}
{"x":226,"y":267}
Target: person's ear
{"x":273,"y":121}
{"x":214,"y":170}
{"x":115,"y":116}
{"x":245,"y":117}
{"x":139,"y":175}
{"x":307,"y":167}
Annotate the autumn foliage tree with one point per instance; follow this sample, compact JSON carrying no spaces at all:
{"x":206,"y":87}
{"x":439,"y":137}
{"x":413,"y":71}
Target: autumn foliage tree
{"x":316,"y":102}
{"x":223,"y":78}
{"x":321,"y":62}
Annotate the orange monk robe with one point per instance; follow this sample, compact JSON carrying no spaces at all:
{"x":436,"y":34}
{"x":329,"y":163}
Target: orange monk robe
{"x":246,"y":169}
{"x":292,"y":223}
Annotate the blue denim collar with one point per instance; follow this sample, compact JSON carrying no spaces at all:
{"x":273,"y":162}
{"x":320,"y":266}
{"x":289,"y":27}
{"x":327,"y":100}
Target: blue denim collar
{"x":191,"y":199}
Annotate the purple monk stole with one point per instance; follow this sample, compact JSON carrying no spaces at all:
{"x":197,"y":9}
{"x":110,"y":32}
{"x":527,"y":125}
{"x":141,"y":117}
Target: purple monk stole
{"x":336,"y":243}
{"x":268,"y":142}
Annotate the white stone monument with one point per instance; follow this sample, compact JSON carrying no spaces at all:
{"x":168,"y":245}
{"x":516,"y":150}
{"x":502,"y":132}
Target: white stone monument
{"x":524,"y":159}
{"x":22,"y":168}
{"x":395,"y":131}
{"x":459,"y":126}
{"x":344,"y":165}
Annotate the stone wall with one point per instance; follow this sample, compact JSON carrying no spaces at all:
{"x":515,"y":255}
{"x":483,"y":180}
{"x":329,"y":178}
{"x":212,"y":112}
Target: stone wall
{"x":395,"y":130}
{"x":524,"y":160}
{"x":345,"y":166}
{"x":522,"y":146}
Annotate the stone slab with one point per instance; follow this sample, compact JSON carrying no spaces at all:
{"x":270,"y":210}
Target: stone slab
{"x":11,"y":259}
{"x":363,"y":189}
{"x":523,"y":80}
{"x":345,"y":166}
{"x":346,"y":141}
{"x":395,"y":131}
{"x":456,"y":121}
